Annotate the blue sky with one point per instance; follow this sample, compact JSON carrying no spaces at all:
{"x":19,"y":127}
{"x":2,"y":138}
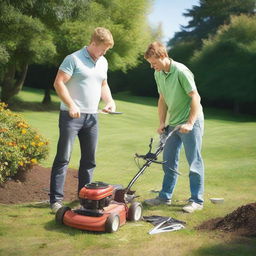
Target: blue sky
{"x":169,"y":14}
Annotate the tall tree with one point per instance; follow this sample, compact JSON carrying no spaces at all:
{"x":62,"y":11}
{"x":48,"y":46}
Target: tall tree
{"x":209,"y":15}
{"x":206,"y":18}
{"x":225,"y":67}
{"x":26,"y":39}
{"x":43,"y":32}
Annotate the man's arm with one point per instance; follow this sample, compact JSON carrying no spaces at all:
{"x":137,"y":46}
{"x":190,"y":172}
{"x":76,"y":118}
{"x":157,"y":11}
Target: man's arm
{"x":195,"y":107}
{"x":107,"y":98}
{"x":162,"y":112}
{"x":61,"y":89}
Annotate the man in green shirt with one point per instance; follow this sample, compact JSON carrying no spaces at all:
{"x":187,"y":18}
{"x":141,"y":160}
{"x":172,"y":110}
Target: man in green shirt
{"x":178,"y":97}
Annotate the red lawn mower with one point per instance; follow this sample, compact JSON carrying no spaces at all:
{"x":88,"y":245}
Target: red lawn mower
{"x":106,"y":207}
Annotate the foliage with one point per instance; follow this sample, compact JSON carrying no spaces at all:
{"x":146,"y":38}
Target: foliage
{"x":206,"y":18}
{"x":224,"y":67}
{"x":4,"y":56}
{"x":34,"y":44}
{"x":209,"y":15}
{"x":182,"y":51}
{"x":21,"y":145}
{"x":25,"y":39}
{"x":126,"y":20}
{"x":44,"y":32}
{"x":141,"y":80}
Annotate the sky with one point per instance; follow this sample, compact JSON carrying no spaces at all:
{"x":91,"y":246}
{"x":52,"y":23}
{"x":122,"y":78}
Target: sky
{"x":169,"y":14}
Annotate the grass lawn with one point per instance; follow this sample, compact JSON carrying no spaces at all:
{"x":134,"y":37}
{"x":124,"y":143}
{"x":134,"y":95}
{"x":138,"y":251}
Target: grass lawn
{"x":229,"y":153}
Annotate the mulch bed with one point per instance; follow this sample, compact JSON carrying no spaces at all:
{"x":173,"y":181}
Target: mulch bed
{"x":242,"y":221}
{"x":33,"y":186}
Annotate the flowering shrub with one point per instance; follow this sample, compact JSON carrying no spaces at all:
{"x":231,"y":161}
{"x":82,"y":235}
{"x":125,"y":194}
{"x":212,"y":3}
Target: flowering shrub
{"x":20,"y":145}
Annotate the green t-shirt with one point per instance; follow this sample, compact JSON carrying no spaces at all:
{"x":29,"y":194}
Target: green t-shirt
{"x":175,"y":86}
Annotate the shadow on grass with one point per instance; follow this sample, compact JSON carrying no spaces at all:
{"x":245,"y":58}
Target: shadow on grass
{"x":21,"y":106}
{"x":127,"y":97}
{"x":39,"y":205}
{"x":173,"y":207}
{"x":236,"y":247}
{"x":46,"y":204}
{"x":227,"y":115}
{"x":17,"y":104}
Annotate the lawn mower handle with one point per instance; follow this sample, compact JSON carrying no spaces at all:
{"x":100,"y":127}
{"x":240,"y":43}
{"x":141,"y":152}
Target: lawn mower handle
{"x":151,"y":157}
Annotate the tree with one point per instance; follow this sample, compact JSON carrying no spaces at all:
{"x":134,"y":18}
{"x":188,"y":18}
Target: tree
{"x":25,"y":39}
{"x":43,"y":32}
{"x":206,"y":18}
{"x":225,"y":67}
{"x":183,"y":50}
{"x":140,"y":79}
{"x":127,"y":21}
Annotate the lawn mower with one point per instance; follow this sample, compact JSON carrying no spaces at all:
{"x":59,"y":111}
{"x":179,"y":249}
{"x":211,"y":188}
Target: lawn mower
{"x":106,"y":207}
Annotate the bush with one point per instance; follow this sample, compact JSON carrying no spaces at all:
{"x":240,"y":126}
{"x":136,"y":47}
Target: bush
{"x":225,"y":66}
{"x":21,"y":145}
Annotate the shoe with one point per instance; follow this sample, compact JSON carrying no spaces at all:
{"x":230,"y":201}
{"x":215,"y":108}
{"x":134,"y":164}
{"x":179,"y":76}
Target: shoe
{"x":157,"y":201}
{"x":56,"y":206}
{"x":192,"y":206}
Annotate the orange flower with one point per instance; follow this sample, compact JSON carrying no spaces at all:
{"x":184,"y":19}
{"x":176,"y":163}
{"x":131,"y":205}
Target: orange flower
{"x":22,"y":125}
{"x":3,"y":130}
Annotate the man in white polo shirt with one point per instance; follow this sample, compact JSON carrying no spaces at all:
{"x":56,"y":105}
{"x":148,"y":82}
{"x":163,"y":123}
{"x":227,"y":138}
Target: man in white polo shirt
{"x":80,"y":83}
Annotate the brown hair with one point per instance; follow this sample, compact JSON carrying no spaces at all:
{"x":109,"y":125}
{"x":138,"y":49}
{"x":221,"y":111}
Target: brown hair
{"x":102,"y":35}
{"x":156,"y":50}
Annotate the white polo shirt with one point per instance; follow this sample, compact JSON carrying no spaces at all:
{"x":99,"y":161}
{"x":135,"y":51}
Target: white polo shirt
{"x":86,"y":80}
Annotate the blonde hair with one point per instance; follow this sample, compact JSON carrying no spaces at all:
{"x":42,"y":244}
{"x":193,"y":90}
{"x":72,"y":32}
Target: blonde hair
{"x":102,"y":35}
{"x":156,"y":50}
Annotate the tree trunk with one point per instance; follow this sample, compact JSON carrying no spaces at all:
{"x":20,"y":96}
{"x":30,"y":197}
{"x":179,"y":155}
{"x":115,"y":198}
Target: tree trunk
{"x":13,"y":81}
{"x":47,"y":96}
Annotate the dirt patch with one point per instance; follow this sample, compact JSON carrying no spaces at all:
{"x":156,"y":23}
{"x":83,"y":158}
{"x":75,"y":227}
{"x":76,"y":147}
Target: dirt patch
{"x":33,"y":186}
{"x":242,"y":221}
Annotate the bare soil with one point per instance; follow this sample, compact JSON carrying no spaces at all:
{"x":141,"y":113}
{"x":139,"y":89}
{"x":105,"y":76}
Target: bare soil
{"x":242,"y":221}
{"x":33,"y":186}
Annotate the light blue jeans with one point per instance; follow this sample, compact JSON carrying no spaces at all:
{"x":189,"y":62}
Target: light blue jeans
{"x":192,"y":142}
{"x":86,"y":128}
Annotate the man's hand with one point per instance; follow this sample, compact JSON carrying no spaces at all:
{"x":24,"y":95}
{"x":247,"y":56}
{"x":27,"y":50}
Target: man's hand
{"x":74,"y":111}
{"x":186,"y":128}
{"x":110,"y":107}
{"x":160,"y":129}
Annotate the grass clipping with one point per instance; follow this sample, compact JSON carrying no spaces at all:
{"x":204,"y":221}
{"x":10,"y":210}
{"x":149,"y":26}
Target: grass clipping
{"x":242,"y":221}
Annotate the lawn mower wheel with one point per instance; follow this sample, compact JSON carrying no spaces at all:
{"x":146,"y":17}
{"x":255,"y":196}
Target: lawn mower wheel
{"x":112,"y":223}
{"x":60,"y":214}
{"x":135,"y":211}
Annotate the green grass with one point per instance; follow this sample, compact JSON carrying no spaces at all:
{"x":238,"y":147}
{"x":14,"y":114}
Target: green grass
{"x":229,"y":152}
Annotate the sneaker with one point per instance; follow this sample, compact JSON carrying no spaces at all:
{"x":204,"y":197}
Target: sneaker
{"x":192,"y":206}
{"x":157,"y":201}
{"x":56,"y":206}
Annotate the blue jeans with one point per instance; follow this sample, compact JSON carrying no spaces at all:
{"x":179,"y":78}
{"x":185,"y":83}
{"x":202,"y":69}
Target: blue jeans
{"x":192,"y":142}
{"x":86,"y":128}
